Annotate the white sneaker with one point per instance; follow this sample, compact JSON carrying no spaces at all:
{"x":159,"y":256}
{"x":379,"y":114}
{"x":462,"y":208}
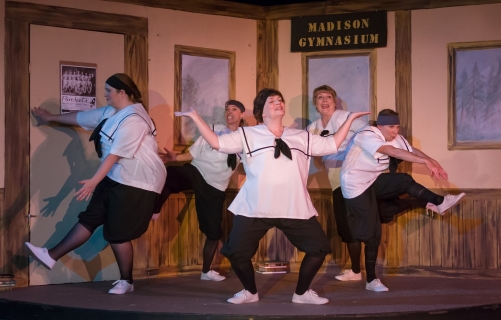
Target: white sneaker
{"x":41,"y":255}
{"x":349,"y":275}
{"x":309,"y":297}
{"x":449,"y":201}
{"x":376,"y":285}
{"x":121,"y":287}
{"x":244,"y":296}
{"x":212,"y":275}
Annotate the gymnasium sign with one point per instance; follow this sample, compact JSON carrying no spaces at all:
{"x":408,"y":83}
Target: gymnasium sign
{"x":361,"y":30}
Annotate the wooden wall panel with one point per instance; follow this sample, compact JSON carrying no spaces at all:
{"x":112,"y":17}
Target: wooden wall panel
{"x":403,"y":77}
{"x":467,"y":236}
{"x":16,"y":201}
{"x":3,"y":256}
{"x":136,"y":49}
{"x":267,"y":54}
{"x":435,"y":241}
{"x":445,"y":243}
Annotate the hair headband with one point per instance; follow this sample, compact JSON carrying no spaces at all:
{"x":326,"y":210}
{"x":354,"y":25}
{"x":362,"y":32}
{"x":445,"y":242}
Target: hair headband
{"x":116,"y":83}
{"x":235,"y":103}
{"x":387,"y":120}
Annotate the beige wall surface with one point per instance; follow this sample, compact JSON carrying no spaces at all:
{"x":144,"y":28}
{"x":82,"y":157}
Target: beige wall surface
{"x":290,"y":81}
{"x":467,"y":168}
{"x":166,"y":29}
{"x":432,"y":30}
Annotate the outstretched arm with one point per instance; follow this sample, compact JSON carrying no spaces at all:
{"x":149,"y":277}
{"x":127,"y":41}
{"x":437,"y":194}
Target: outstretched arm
{"x":435,"y":171}
{"x":341,"y":133}
{"x":203,"y":128}
{"x":435,"y":162}
{"x":170,"y":156}
{"x":46,"y":116}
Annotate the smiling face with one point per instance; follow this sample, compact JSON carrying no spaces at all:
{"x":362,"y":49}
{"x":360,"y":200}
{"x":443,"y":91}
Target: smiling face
{"x":273,"y":107}
{"x":325,"y":103}
{"x":233,"y":115}
{"x":389,"y":132}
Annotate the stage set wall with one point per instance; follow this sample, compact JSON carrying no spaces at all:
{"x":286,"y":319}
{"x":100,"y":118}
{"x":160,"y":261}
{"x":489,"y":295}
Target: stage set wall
{"x":469,"y":236}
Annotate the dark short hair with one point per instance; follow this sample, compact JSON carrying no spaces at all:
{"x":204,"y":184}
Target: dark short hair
{"x":260,"y":100}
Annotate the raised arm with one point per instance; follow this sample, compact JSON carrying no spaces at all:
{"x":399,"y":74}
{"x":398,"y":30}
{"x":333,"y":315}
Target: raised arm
{"x":435,"y":169}
{"x":341,"y":133}
{"x":205,"y":131}
{"x":47,"y":116}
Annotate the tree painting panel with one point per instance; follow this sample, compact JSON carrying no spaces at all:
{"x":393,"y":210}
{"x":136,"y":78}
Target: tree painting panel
{"x":478,"y":95}
{"x":205,"y":88}
{"x":349,"y":76}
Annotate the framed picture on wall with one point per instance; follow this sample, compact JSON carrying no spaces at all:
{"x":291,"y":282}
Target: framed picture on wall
{"x":204,"y":80}
{"x":78,"y":86}
{"x":350,"y":73}
{"x":474,"y":95}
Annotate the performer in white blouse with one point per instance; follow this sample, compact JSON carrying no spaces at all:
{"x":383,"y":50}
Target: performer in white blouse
{"x":208,"y":176}
{"x":371,"y":194}
{"x":331,"y":118}
{"x":276,"y":161}
{"x":124,"y":189}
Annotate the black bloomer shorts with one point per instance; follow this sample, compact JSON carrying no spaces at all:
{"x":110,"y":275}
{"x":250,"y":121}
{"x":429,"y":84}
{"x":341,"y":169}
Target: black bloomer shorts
{"x":124,"y":211}
{"x":209,"y":201}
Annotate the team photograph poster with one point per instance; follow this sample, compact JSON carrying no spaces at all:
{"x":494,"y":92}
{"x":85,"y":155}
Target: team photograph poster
{"x":78,"y":86}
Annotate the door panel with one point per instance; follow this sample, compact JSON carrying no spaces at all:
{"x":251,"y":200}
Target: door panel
{"x":60,"y":156}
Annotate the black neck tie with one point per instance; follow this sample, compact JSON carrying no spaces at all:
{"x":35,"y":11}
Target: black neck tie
{"x":97,"y":138}
{"x":394,"y":164}
{"x":281,"y":146}
{"x":232,"y":161}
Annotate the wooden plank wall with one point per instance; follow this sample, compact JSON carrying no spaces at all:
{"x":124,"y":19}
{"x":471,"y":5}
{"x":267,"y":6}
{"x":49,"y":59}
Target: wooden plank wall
{"x":467,"y":236}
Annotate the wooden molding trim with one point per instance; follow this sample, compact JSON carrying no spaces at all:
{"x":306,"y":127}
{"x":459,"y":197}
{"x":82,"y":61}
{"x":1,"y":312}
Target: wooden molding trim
{"x":284,"y":12}
{"x":19,"y":16}
{"x":44,"y":15}
{"x":179,"y":51}
{"x":213,"y":7}
{"x":305,"y":56}
{"x":267,"y":55}
{"x":403,"y":77}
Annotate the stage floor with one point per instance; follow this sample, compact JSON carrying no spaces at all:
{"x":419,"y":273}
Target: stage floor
{"x":414,"y":293}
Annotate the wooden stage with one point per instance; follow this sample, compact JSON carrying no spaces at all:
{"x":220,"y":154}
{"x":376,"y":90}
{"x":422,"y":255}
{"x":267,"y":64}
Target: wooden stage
{"x":415,"y":293}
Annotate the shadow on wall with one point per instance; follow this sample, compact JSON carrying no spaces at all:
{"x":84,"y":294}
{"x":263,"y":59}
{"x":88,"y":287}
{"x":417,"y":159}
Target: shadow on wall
{"x":59,"y":163}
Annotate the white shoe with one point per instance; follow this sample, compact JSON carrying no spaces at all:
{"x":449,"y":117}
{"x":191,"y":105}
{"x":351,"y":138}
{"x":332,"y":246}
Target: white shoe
{"x":449,"y":201}
{"x":376,"y":285}
{"x":349,"y":275}
{"x":121,"y":287}
{"x":244,"y":296}
{"x":41,"y":255}
{"x":212,"y":275}
{"x":309,"y":297}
